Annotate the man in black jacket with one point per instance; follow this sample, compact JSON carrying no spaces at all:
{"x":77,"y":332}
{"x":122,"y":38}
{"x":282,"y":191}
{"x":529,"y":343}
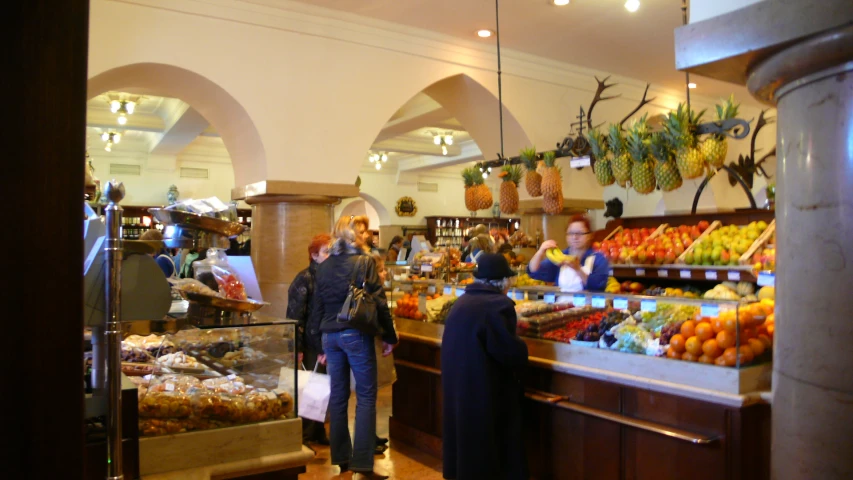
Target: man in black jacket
{"x":300,"y":298}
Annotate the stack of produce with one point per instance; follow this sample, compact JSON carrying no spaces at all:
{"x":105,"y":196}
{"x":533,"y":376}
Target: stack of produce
{"x":725,"y":245}
{"x":537,"y":318}
{"x":441,"y":315}
{"x":407,"y":307}
{"x":524,"y":280}
{"x":587,"y":327}
{"x":714,"y":340}
{"x":743,"y":291}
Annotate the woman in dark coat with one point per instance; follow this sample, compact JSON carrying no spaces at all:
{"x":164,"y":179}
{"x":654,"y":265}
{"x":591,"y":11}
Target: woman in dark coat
{"x":482,"y":358}
{"x":300,"y":296}
{"x":346,"y":348}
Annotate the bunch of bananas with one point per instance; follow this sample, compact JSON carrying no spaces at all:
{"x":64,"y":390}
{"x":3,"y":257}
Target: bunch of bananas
{"x":557,"y":257}
{"x":612,"y":286}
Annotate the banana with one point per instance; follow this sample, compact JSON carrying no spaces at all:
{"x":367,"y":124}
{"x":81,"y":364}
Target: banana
{"x":557,"y":257}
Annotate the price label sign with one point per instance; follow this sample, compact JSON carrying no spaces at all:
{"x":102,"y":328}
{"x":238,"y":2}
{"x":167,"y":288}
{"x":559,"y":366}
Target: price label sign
{"x":641,"y":272}
{"x":431,"y":289}
{"x":579,"y":162}
{"x":663,"y":273}
{"x":460,"y":292}
{"x":766,"y":279}
{"x":422,"y":303}
{"x":610,"y":273}
{"x":510,"y":294}
{"x":710,"y":310}
{"x":619,"y":303}
{"x":685,"y":273}
{"x":426,"y":267}
{"x":170,"y":387}
{"x":550,"y":298}
{"x":519,"y":295}
{"x":448,"y":290}
{"x":711,"y":275}
{"x":599,"y":301}
{"x":733,"y":276}
{"x":579,"y":300}
{"x":649,"y":305}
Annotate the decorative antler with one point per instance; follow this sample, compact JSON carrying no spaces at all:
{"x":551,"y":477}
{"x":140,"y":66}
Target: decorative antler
{"x":643,"y":102}
{"x":758,"y":166}
{"x":762,"y":121}
{"x":602,"y":86}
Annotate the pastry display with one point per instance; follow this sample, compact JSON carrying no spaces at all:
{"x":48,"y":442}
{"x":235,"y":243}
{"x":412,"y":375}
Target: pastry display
{"x":154,"y":344}
{"x":173,"y":383}
{"x":261,"y":405}
{"x":217,"y":406}
{"x":168,"y":404}
{"x":178,"y":360}
{"x":241,"y":357}
{"x":134,"y":354}
{"x":232,"y":385}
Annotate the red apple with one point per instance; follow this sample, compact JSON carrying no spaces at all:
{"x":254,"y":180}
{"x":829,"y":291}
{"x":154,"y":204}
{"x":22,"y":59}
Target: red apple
{"x":703,"y":225}
{"x":626,"y":286}
{"x":596,"y":245}
{"x":660,"y":255}
{"x":641,"y":256}
{"x":670,"y":257}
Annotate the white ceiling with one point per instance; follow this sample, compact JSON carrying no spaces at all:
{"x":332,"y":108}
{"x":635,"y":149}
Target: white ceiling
{"x":596,"y":34}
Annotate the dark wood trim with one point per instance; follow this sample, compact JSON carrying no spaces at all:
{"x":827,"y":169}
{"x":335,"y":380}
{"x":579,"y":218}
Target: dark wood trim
{"x":400,"y":432}
{"x":45,"y":60}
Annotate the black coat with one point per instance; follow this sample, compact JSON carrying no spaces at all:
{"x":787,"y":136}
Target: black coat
{"x":331,"y":285}
{"x":481,"y":358}
{"x":300,"y":296}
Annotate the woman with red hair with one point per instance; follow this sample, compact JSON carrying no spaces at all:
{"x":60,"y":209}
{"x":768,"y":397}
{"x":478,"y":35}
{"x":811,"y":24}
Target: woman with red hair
{"x":300,"y":296}
{"x":585,"y":270}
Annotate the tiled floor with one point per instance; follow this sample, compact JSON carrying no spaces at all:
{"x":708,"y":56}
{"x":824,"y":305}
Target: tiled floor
{"x":400,"y":461}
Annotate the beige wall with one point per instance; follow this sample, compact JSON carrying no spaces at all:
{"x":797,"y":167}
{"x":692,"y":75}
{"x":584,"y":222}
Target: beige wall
{"x":300,"y":93}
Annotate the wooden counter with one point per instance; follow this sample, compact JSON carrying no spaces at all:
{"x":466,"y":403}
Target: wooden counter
{"x":605,"y":415}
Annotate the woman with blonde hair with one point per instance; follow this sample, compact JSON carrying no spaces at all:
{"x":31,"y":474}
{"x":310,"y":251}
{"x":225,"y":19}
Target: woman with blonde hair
{"x":345,"y":348}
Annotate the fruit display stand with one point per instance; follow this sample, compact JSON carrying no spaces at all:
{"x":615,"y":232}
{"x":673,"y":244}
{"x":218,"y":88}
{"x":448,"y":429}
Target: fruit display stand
{"x":597,"y":413}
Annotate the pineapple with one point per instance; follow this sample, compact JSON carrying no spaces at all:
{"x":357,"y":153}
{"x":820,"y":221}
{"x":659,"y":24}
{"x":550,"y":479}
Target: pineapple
{"x":468,"y":176}
{"x":532,"y":180}
{"x":666,"y":173}
{"x":680,"y":129}
{"x":716,"y":147}
{"x":511,"y":175}
{"x":602,"y":168}
{"x":621,"y":163}
{"x":552,"y":185}
{"x":482,"y":194}
{"x":642,"y":170}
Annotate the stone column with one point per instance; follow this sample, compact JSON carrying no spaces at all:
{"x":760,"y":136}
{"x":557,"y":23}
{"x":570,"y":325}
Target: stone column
{"x":799,"y":57}
{"x":285,"y":216}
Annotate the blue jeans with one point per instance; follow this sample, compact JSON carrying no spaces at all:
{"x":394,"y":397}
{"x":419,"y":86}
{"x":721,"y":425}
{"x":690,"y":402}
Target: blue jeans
{"x":352,"y":350}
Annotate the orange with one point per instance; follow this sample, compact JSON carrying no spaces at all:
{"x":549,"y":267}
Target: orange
{"x":721,"y":361}
{"x":771,"y":318}
{"x":745,"y":317}
{"x":758,"y":310}
{"x":757,"y":346}
{"x":670,"y":353}
{"x":718,"y":325}
{"x":704,"y":331}
{"x":730,"y":324}
{"x":770,"y":330}
{"x":706,"y":359}
{"x":746,"y":355}
{"x":730,"y":356}
{"x":689,"y":357}
{"x":711,"y":348}
{"x":748,"y":333}
{"x":693,"y":346}
{"x":765,"y":340}
{"x":676,"y":343}
{"x":688,"y":329}
{"x":725,"y":340}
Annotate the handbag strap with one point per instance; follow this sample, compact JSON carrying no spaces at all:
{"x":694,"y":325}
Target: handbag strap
{"x":359,"y":263}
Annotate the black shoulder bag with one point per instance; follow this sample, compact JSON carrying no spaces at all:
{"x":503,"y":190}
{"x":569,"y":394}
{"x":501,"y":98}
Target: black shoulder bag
{"x":359,"y":308}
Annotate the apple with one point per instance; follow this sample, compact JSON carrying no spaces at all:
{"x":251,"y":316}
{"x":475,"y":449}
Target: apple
{"x":688,"y":259}
{"x":723,"y":257}
{"x":678,"y":249}
{"x":636,"y":287}
{"x":626,"y":286}
{"x":641,"y":256}
{"x":670,"y":257}
{"x":660,"y":255}
{"x":596,"y":245}
{"x":703,"y":225}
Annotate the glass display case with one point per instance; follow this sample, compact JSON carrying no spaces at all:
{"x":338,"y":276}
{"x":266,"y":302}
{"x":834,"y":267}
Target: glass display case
{"x":205,"y":378}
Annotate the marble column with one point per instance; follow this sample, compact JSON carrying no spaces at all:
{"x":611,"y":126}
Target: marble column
{"x":285,"y":216}
{"x":798,"y":56}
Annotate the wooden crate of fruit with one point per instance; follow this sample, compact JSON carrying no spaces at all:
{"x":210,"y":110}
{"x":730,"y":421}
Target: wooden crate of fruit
{"x":760,"y":243}
{"x":713,"y":226}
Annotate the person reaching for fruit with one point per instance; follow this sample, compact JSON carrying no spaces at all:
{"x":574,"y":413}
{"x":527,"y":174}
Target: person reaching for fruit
{"x":577,"y":268}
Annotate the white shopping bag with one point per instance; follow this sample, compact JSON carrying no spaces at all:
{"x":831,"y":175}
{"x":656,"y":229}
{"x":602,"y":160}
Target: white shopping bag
{"x":314,"y":396}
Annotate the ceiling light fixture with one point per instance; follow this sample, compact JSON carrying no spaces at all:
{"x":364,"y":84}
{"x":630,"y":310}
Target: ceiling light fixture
{"x":122,"y":106}
{"x":632,"y":5}
{"x":560,"y":3}
{"x":443,"y":141}
{"x":484,"y":33}
{"x":378,"y":159}
{"x":691,"y":85}
{"x":112,"y":138}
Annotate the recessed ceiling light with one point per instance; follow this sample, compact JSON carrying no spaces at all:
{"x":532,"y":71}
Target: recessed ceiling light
{"x":484,"y":33}
{"x":632,"y":5}
{"x":560,"y":3}
{"x":691,"y":85}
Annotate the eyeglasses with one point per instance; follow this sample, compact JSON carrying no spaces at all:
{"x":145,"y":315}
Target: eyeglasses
{"x":577,"y":234}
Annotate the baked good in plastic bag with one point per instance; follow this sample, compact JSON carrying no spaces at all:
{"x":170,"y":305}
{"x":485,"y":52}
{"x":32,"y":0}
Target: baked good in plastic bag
{"x":168,"y":404}
{"x":178,"y":359}
{"x":231,"y":385}
{"x":191,"y":285}
{"x":286,"y":402}
{"x":172,"y":383}
{"x":217,"y":406}
{"x":261,"y":405}
{"x":151,"y":427}
{"x":134,"y":354}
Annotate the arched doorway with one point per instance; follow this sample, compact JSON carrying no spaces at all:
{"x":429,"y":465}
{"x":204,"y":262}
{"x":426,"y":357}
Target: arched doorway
{"x":227,"y":116}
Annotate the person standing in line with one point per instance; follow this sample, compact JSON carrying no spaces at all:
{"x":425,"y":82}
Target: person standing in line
{"x":465,"y":247}
{"x":162,"y":257}
{"x":346,"y":348}
{"x":386,"y":374}
{"x":300,"y":297}
{"x":482,"y":417}
{"x":362,"y":223}
{"x":394,"y":249}
{"x":479,"y":246}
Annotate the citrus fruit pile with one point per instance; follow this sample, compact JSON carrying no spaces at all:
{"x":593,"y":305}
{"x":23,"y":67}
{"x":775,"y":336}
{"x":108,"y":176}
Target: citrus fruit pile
{"x":715,"y":340}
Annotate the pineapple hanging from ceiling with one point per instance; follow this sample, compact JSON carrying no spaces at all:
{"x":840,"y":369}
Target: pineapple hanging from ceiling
{"x":552,"y":185}
{"x":680,"y":128}
{"x":642,"y":169}
{"x":601,"y":167}
{"x":621,"y":163}
{"x":666,"y":172}
{"x":715,"y":147}
{"x":532,"y":179}
{"x":510,"y":176}
{"x":468,"y":176}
